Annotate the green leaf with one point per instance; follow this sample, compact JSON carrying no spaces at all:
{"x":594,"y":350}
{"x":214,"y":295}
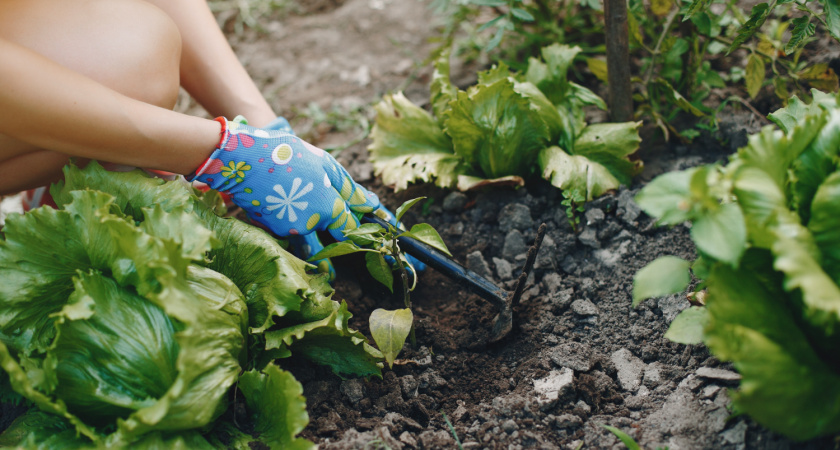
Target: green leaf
{"x":802,"y":30}
{"x":815,"y":163}
{"x":426,"y":234}
{"x":623,"y":437}
{"x":406,"y":206}
{"x":677,"y":98}
{"x":825,"y":211}
{"x":721,"y":233}
{"x":664,"y":276}
{"x":442,"y":91}
{"x":98,"y":383}
{"x":379,"y":269}
{"x":832,"y":17}
{"x":329,"y":341}
{"x":522,"y":15}
{"x":820,"y":76}
{"x":754,"y":74}
{"x":494,"y":3}
{"x":758,"y":15}
{"x":598,"y":67}
{"x":276,"y":404}
{"x":687,"y":327}
{"x":668,"y":198}
{"x":660,"y":8}
{"x":551,"y":77}
{"x":697,"y":6}
{"x":365,"y":235}
{"x":124,"y":187}
{"x":575,"y":172}
{"x":796,"y":110}
{"x":820,"y":295}
{"x":495,"y":130}
{"x":763,"y":204}
{"x":390,"y":329}
{"x":611,"y":144}
{"x":408,"y":145}
{"x":786,"y":386}
{"x":774,"y":151}
{"x":585,"y":96}
{"x":336,"y":249}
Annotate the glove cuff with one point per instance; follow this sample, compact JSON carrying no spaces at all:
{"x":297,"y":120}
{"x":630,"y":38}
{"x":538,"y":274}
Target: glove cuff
{"x":224,"y":136}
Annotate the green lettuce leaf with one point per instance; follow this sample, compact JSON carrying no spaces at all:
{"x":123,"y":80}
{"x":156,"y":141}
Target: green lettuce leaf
{"x":328,"y":341}
{"x":442,"y":91}
{"x":773,"y":151}
{"x":785,"y":385}
{"x":825,"y":213}
{"x":816,"y":162}
{"x":496,"y":130}
{"x":276,"y":404}
{"x":409,"y":145}
{"x":611,"y":144}
{"x":74,"y":356}
{"x":575,"y":172}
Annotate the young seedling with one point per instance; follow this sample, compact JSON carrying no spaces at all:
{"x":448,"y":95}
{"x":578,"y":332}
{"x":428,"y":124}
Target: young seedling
{"x":383,"y":257}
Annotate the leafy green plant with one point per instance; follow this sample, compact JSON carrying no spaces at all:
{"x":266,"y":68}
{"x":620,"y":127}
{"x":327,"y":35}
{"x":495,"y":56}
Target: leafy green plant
{"x":506,"y":128}
{"x":516,"y":29}
{"x":132,"y":310}
{"x":380,"y":245}
{"x":677,"y":55}
{"x":573,"y":200}
{"x":765,"y":229}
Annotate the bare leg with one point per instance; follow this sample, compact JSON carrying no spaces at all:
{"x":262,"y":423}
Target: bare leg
{"x":128,"y":46}
{"x":210,"y":71}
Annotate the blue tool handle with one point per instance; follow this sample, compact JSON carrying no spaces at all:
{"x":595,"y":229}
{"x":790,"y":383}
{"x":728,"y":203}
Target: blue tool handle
{"x":444,"y":264}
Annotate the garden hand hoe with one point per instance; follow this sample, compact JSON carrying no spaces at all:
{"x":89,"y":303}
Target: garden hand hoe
{"x":503,"y":300}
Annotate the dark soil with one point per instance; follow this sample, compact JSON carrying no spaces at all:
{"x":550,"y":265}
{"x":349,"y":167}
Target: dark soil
{"x":575,"y":334}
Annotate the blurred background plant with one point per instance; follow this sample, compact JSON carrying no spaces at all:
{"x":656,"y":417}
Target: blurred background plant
{"x":691,"y":59}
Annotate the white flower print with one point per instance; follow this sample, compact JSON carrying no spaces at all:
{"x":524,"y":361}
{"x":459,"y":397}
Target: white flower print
{"x":289,"y":202}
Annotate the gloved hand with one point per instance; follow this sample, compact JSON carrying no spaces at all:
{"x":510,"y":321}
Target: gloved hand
{"x":288,"y":185}
{"x":307,"y":245}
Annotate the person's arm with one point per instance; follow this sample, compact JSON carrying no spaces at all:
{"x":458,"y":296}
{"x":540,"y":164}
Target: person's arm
{"x":210,"y":70}
{"x":54,"y":108}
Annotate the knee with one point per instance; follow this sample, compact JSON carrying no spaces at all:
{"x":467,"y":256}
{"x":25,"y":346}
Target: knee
{"x":130,"y":46}
{"x":145,"y":57}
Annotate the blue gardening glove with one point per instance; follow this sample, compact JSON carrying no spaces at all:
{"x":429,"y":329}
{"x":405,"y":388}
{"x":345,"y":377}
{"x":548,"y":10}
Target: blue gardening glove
{"x":284,"y":183}
{"x":303,"y":245}
{"x":288,"y":185}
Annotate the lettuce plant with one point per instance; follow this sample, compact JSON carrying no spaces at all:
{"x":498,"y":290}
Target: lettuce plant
{"x":129,"y":313}
{"x":504,"y":129}
{"x":768,"y":243}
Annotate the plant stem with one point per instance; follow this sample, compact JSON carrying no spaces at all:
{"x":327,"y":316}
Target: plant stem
{"x":657,"y":49}
{"x":395,"y":251}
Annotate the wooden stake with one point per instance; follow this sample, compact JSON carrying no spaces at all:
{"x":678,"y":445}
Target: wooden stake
{"x":618,"y":60}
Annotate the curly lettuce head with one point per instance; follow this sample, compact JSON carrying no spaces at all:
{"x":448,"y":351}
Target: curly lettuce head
{"x":104,"y":321}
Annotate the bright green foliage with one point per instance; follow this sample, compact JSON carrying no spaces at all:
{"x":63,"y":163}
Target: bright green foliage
{"x":766,"y":228}
{"x":687,"y":327}
{"x":506,"y":128}
{"x":625,"y":438}
{"x":665,"y":276}
{"x":390,"y":329}
{"x":126,"y":321}
{"x":277,"y":418}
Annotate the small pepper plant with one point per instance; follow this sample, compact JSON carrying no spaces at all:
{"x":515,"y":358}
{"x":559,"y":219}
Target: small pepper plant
{"x":383,"y":257}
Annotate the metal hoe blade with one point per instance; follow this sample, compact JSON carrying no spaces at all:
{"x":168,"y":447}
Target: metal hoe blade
{"x":501,"y":299}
